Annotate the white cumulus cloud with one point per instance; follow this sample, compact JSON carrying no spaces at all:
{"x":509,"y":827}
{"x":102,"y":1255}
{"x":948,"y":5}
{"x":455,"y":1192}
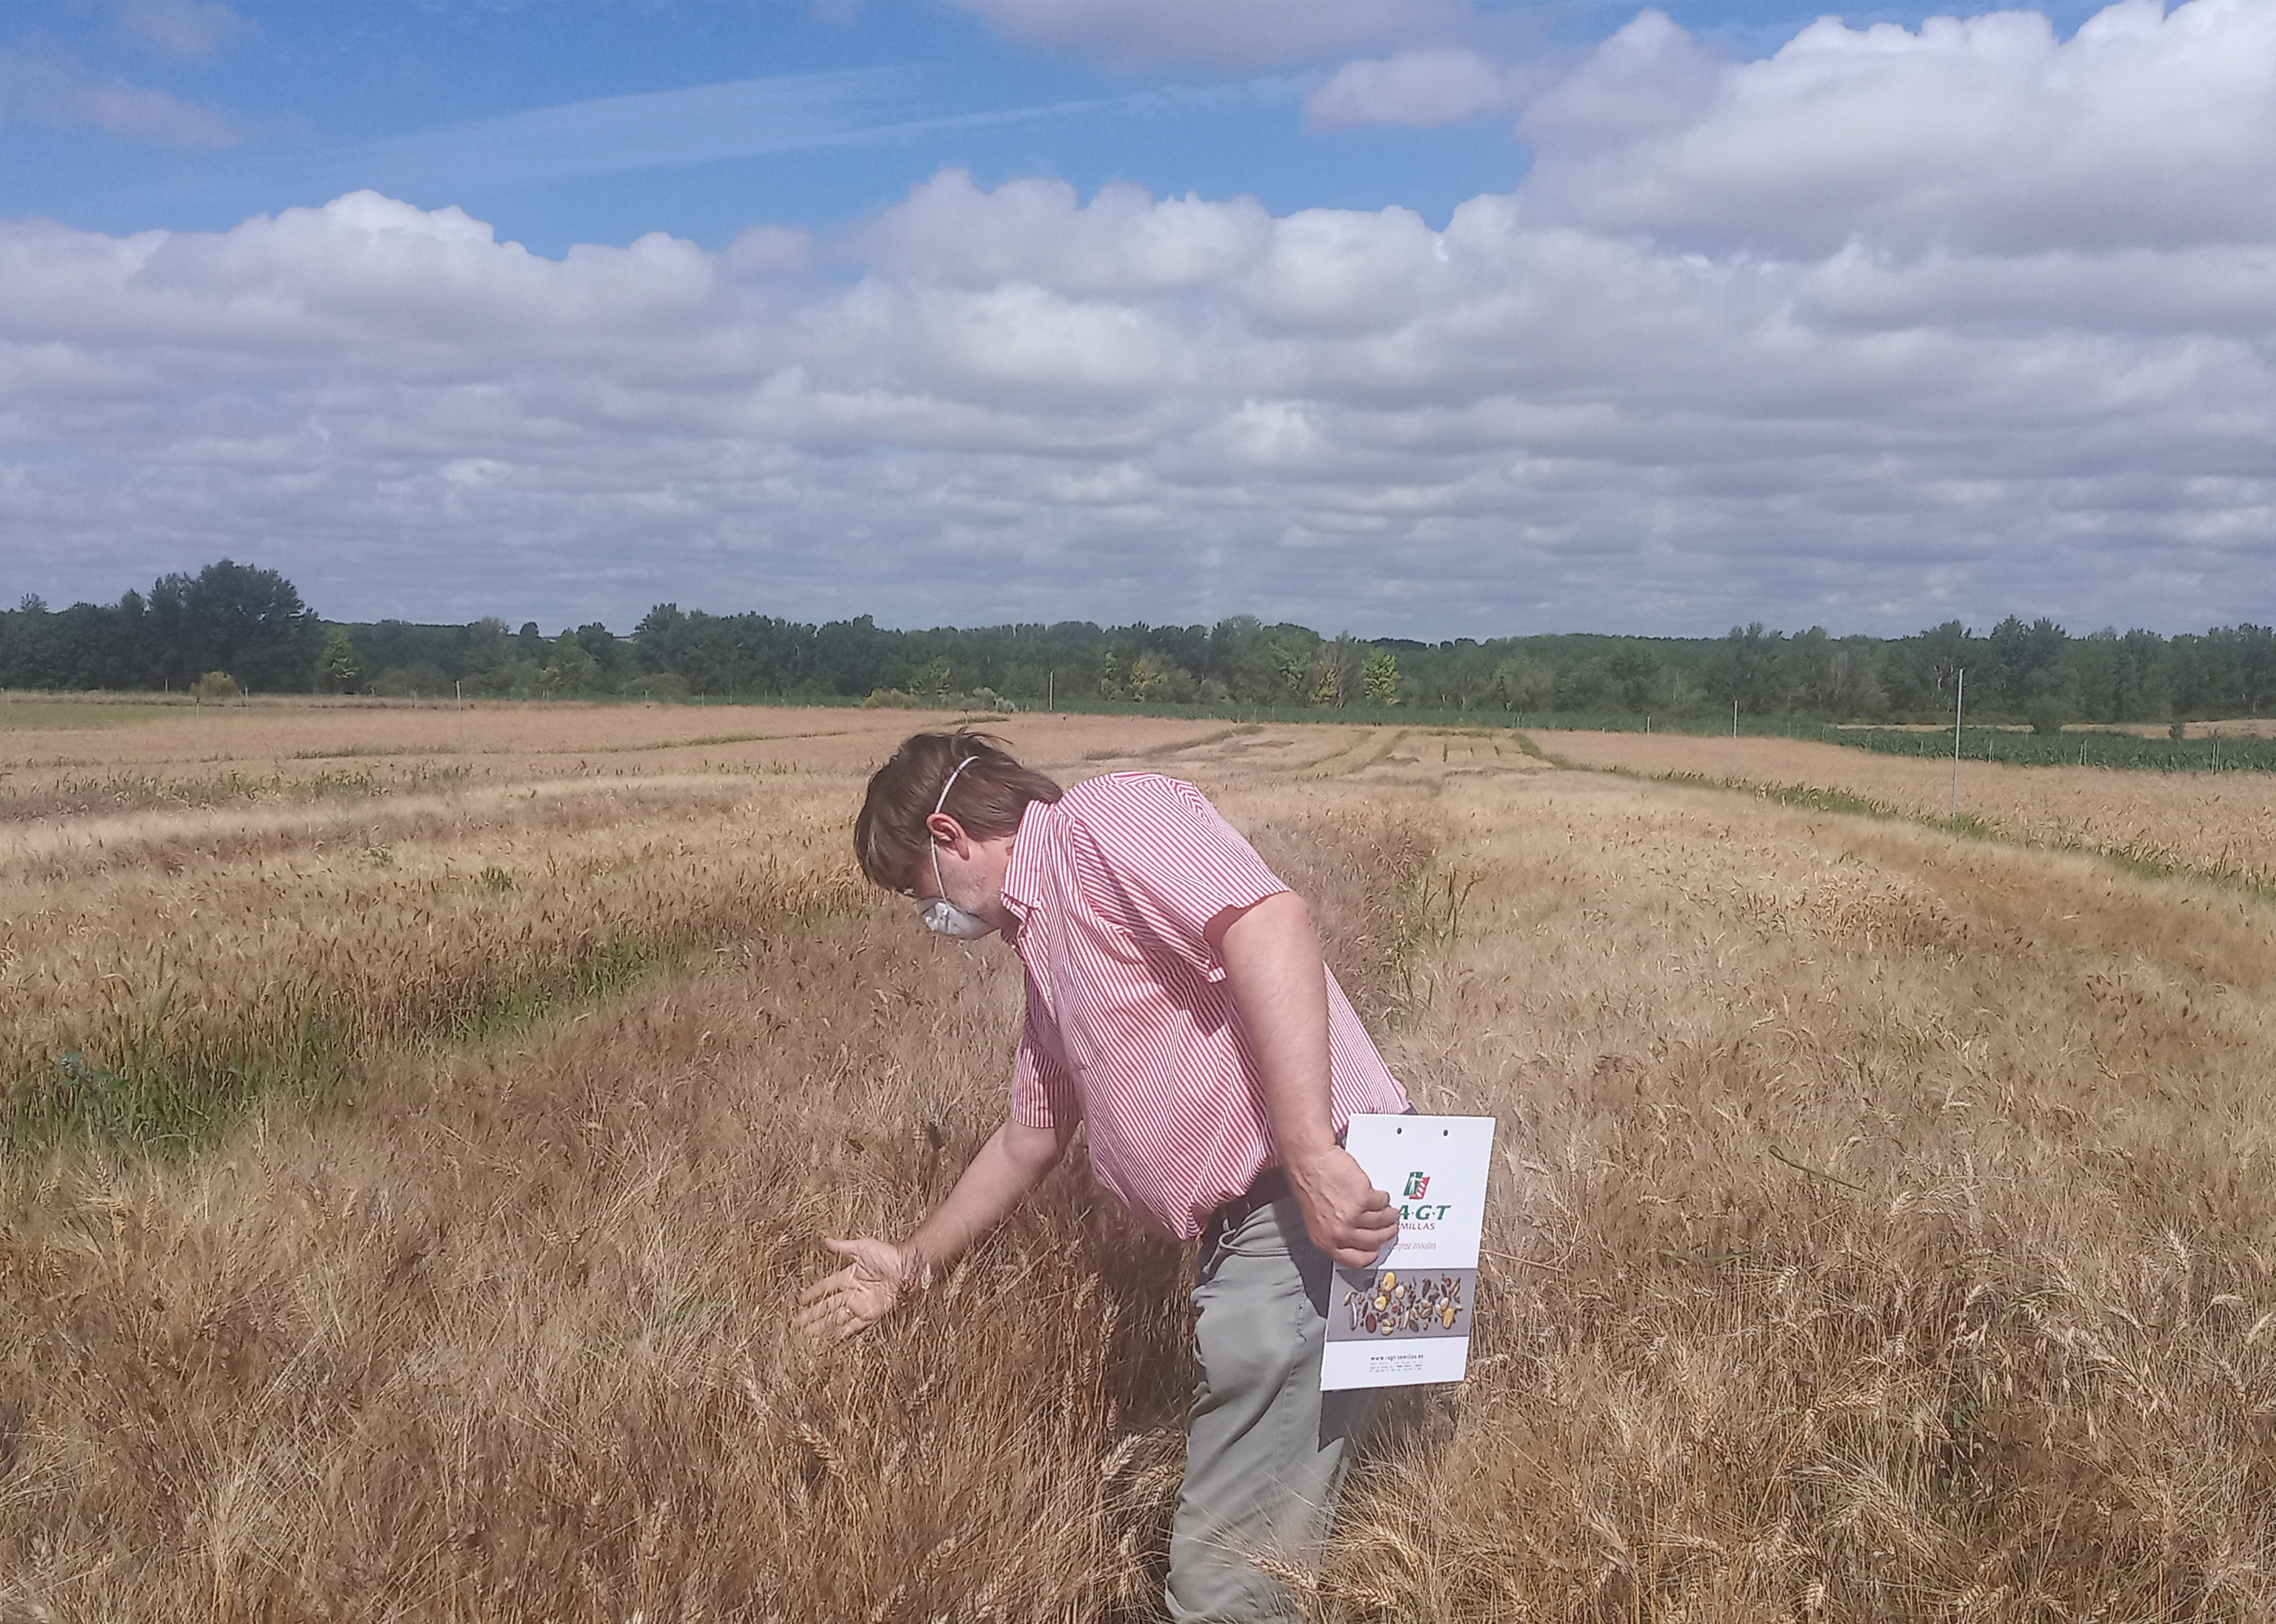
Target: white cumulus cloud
{"x":1125,"y":241}
{"x":1692,"y":371}
{"x":2142,"y":128}
{"x":1445,"y":85}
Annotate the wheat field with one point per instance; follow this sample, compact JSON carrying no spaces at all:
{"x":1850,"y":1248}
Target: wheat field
{"x":2221,"y":825}
{"x":1883,"y":1229}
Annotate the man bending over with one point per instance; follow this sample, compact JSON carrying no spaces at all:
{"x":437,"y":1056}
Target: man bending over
{"x":1176,"y":1001}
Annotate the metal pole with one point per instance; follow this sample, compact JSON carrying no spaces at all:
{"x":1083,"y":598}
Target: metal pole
{"x":1735,"y":740}
{"x":459,"y":690}
{"x":1959,"y":698}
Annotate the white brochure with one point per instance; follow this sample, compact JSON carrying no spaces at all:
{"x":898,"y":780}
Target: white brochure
{"x":1406,"y":1320}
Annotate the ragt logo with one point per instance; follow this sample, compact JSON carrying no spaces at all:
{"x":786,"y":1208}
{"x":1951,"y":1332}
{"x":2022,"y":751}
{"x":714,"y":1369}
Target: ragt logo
{"x":1411,"y":1208}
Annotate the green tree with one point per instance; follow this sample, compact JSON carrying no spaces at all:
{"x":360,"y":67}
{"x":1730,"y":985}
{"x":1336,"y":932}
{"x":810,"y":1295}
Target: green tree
{"x":489,"y":644}
{"x":606,"y":647}
{"x":1524,"y":683}
{"x":1633,"y":671}
{"x":2026,"y":665}
{"x":1292,"y":666}
{"x":1920,"y":673}
{"x":1341,"y":663}
{"x":1237,"y":661}
{"x":1468,"y":678}
{"x":1833,"y":676}
{"x":236,"y":618}
{"x":569,"y":669}
{"x":338,"y":670}
{"x":1379,"y":675}
{"x":1748,"y":666}
{"x":1156,"y":678}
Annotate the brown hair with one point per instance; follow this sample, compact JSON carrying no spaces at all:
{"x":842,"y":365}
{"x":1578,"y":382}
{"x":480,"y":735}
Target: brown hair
{"x":990,"y":794}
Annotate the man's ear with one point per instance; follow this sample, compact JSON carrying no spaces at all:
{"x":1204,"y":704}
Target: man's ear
{"x":946,"y":831}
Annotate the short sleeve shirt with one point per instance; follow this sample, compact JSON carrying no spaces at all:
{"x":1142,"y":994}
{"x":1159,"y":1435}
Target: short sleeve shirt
{"x":1130,"y":1026}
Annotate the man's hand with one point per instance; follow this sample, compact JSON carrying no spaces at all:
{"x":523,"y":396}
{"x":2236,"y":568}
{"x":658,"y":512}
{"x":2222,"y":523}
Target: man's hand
{"x":857,"y":1296}
{"x":1347,"y":1217}
{"x":1009,"y":1166}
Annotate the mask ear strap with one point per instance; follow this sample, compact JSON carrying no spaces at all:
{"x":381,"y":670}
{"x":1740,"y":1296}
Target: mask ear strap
{"x":931,"y":845}
{"x":943,"y":801}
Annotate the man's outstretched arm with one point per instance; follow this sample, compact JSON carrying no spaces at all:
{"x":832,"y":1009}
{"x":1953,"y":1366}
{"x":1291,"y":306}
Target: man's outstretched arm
{"x":1012,"y":1163}
{"x":1279,"y":984}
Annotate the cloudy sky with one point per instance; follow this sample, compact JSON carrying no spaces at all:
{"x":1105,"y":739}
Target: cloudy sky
{"x":1419,"y":318}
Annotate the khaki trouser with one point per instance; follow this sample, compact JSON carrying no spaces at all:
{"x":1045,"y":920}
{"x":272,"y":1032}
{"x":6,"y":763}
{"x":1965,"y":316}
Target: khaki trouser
{"x":1265,"y":1449}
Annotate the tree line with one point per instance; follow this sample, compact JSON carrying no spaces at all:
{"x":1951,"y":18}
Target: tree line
{"x":248,"y":627}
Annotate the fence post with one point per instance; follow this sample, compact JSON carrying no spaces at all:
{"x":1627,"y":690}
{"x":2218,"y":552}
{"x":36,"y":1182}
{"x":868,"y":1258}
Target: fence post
{"x":1959,"y":699}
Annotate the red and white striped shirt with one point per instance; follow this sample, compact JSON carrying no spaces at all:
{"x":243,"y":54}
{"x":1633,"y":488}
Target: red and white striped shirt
{"x":1130,"y":1026}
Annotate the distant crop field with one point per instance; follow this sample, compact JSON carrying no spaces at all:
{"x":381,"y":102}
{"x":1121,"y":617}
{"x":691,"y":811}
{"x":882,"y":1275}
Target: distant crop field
{"x":44,"y":712}
{"x":2080,"y":747}
{"x":2219,"y":825}
{"x":414,"y":1142}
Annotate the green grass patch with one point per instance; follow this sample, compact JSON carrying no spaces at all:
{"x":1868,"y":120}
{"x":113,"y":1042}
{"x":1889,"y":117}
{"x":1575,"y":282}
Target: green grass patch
{"x":593,"y":977}
{"x":167,"y":1097}
{"x":1812,"y":797}
{"x":2158,"y":869}
{"x":145,"y":1087}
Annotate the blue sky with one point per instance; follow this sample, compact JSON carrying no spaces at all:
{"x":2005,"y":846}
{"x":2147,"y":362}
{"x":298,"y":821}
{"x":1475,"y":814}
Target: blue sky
{"x":745,"y":111}
{"x":1540,"y":317}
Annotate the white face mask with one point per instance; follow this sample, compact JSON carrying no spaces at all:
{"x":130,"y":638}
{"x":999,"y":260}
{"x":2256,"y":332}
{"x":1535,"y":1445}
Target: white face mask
{"x":942,"y":916}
